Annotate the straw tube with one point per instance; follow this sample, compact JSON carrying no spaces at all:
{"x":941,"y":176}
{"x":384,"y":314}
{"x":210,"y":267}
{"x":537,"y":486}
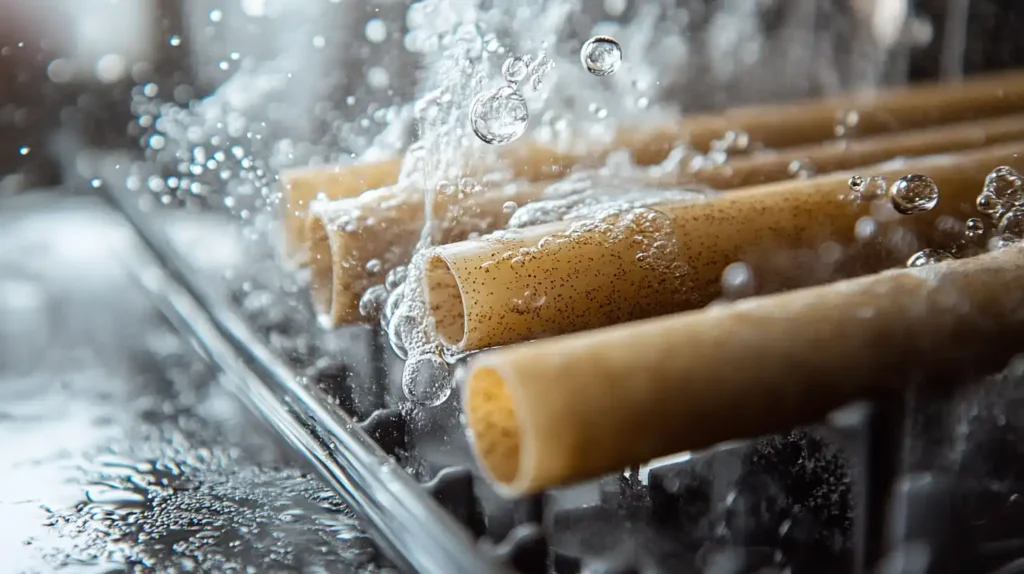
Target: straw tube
{"x":766,"y":126}
{"x":339,"y":240}
{"x":535,"y":282}
{"x":570,"y":408}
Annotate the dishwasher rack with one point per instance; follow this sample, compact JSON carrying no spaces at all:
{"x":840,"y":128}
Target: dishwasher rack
{"x":872,"y":489}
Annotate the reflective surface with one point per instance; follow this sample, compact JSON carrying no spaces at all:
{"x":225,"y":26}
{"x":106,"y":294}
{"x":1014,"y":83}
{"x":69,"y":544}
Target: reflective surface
{"x":119,"y":447}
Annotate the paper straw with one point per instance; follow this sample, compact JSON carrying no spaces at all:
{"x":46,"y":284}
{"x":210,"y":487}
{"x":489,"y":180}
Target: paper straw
{"x":571,"y":408}
{"x":536,"y":282}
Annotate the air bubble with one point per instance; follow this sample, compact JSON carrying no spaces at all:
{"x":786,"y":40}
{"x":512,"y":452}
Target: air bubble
{"x":426,"y":380}
{"x":975,"y":228}
{"x":857,"y":183}
{"x":988,"y":204}
{"x":514,"y":69}
{"x":737,"y":280}
{"x":468,"y":186}
{"x":928,"y":257}
{"x":1012,"y":223}
{"x":1006,"y":184}
{"x":444,"y":187}
{"x":373,"y":267}
{"x":914,"y":194}
{"x":509,"y":207}
{"x":499,"y":116}
{"x":601,"y":55}
{"x":395,"y":278}
{"x":372,"y":302}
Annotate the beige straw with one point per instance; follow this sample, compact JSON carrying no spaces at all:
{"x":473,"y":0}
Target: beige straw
{"x":768,"y":126}
{"x":537,"y":282}
{"x":344,"y":241}
{"x":567,"y":409}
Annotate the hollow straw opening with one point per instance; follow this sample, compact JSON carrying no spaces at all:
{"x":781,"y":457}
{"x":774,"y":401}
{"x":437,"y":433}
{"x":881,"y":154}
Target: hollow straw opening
{"x":493,"y":419}
{"x":446,"y":301}
{"x":321,"y":268}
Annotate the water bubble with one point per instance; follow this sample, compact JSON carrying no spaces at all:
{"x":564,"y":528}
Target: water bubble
{"x":509,"y":207}
{"x":975,"y":228}
{"x":1012,"y":223}
{"x":857,"y":183}
{"x":175,"y":41}
{"x":928,"y":257}
{"x":427,"y":380}
{"x":1006,"y":184}
{"x":914,"y":194}
{"x":216,"y":15}
{"x":376,"y":30}
{"x":499,"y":116}
{"x":396,"y":277}
{"x":372,"y":302}
{"x":24,"y":150}
{"x":373,"y":267}
{"x":988,"y":204}
{"x":737,"y":280}
{"x":601,"y":55}
{"x":514,"y":69}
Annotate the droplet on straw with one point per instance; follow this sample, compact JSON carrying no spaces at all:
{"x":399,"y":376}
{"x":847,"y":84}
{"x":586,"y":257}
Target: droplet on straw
{"x":499,"y":116}
{"x":601,"y":55}
{"x":914,"y":194}
{"x":928,"y":257}
{"x":426,"y":380}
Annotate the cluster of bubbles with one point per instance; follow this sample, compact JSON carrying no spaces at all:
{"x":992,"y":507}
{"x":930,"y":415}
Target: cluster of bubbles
{"x":1002,"y":202}
{"x":500,"y":116}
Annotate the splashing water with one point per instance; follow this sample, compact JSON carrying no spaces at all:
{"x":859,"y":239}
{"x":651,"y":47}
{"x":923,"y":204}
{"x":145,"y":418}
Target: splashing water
{"x":601,"y":55}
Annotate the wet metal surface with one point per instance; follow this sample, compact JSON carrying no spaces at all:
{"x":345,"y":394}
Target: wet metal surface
{"x":118,"y":449}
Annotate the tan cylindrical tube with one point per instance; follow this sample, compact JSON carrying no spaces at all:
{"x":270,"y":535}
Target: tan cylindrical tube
{"x":382,"y":226}
{"x":560,"y":278}
{"x":566,"y":409}
{"x":300,"y":187}
{"x":769,"y":126}
{"x":398,"y":219}
{"x":819,"y":158}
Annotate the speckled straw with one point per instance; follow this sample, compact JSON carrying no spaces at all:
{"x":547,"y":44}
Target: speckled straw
{"x":537,"y":282}
{"x":571,"y":408}
{"x":769,"y":126}
{"x":339,"y":255}
{"x":385,"y":225}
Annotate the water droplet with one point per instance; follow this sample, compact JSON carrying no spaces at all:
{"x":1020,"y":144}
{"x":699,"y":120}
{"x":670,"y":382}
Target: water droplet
{"x":514,"y":69}
{"x":988,"y":204}
{"x":24,"y":150}
{"x":928,"y":257}
{"x":1006,"y":184}
{"x":509,"y":207}
{"x":737,"y":280}
{"x":499,"y":116}
{"x":395,"y":278}
{"x":426,"y":380}
{"x":601,"y":55}
{"x":373,"y":267}
{"x":866,"y":228}
{"x":96,"y":183}
{"x":216,"y":15}
{"x":1012,"y":223}
{"x":857,"y":183}
{"x":975,"y":228}
{"x":914,"y":194}
{"x":372,"y":302}
{"x":175,"y":40}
